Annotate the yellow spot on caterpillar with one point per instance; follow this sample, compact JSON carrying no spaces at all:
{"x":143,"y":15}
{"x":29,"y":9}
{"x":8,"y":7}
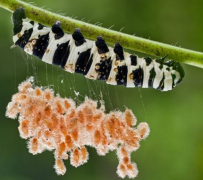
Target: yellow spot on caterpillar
{"x":19,"y":35}
{"x":131,"y":76}
{"x":115,"y":70}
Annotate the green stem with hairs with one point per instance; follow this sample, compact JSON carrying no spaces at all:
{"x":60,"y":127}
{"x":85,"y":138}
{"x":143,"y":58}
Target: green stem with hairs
{"x":92,"y":31}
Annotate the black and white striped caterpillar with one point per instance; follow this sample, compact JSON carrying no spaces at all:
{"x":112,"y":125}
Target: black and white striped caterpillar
{"x":95,"y":60}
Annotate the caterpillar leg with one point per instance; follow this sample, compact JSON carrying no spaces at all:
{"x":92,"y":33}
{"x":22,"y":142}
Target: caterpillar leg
{"x":102,"y":46}
{"x":78,"y":37}
{"x":56,"y":29}
{"x":13,"y":46}
{"x":18,"y":16}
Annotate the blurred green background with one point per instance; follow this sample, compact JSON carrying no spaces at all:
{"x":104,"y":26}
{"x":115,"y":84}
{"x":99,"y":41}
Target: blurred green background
{"x":174,"y":149}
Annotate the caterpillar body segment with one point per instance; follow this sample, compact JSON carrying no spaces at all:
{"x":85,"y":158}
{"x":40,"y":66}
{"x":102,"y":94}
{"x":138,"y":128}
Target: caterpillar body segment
{"x":94,"y":59}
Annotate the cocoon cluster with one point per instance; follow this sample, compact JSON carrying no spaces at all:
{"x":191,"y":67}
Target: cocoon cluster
{"x":56,"y":124}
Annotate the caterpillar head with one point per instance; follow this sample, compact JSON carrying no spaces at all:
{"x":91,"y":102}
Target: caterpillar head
{"x":177,"y":67}
{"x":17,"y":17}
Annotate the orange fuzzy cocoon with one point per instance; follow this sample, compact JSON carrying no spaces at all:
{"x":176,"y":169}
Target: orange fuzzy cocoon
{"x":53,"y":123}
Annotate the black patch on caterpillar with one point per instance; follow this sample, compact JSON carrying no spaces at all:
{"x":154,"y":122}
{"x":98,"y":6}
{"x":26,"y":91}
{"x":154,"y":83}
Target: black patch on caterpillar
{"x":78,"y":37}
{"x":151,"y":77}
{"x":118,"y":49}
{"x":173,"y":78}
{"x":61,"y":54}
{"x":101,"y":45}
{"x":32,"y":22}
{"x":40,"y":26}
{"x":56,"y":29}
{"x":82,"y":65}
{"x":161,"y":66}
{"x":121,"y":76}
{"x":161,"y":84}
{"x":41,"y":46}
{"x":148,"y":61}
{"x":138,"y":75}
{"x":161,"y":63}
{"x":23,"y":40}
{"x":103,"y":69}
{"x":17,"y":17}
{"x":133,"y":60}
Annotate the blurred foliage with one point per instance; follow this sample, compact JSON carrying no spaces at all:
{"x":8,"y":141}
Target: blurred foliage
{"x":174,"y":148}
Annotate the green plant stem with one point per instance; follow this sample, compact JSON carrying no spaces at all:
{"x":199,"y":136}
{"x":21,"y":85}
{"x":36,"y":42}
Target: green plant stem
{"x":92,"y":31}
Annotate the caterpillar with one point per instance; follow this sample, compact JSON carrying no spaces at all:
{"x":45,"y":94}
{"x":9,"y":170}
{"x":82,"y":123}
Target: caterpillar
{"x":94,"y":59}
